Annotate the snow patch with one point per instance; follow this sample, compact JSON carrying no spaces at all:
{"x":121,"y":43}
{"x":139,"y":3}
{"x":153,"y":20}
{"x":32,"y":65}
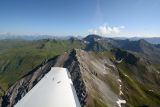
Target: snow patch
{"x":119,"y":80}
{"x":119,"y":61}
{"x":125,"y":75}
{"x":119,"y":102}
{"x":120,"y":90}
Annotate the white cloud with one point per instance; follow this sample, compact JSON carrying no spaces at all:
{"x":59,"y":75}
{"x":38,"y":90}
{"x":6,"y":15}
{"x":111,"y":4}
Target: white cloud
{"x":106,"y":30}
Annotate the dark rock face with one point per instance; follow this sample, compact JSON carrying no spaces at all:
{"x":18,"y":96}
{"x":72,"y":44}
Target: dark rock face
{"x":0,"y":102}
{"x":157,"y":45}
{"x":73,"y":67}
{"x":128,"y":57}
{"x":21,"y":87}
{"x":95,"y":46}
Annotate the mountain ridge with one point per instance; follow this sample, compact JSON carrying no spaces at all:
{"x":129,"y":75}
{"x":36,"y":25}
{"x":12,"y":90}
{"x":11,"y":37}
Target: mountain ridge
{"x":91,"y":74}
{"x":103,"y":73}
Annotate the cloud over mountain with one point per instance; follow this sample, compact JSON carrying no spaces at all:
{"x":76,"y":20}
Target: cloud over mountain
{"x":105,"y":30}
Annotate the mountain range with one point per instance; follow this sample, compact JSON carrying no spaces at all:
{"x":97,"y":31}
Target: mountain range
{"x":152,"y":40}
{"x":106,"y":72}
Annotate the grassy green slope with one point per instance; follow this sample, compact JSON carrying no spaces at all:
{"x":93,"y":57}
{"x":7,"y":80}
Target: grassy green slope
{"x":17,"y":57}
{"x":139,"y":91}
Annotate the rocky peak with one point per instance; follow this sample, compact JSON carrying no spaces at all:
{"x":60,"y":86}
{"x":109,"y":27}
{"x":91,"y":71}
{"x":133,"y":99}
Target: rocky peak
{"x":92,"y":38}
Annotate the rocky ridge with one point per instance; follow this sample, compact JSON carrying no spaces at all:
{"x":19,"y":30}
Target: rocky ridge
{"x":101,"y":79}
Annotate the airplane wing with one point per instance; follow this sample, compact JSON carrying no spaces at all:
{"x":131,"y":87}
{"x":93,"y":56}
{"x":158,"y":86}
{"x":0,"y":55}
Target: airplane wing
{"x":55,"y":89}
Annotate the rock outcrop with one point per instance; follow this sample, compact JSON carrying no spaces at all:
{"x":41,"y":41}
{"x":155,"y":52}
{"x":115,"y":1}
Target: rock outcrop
{"x":73,"y":66}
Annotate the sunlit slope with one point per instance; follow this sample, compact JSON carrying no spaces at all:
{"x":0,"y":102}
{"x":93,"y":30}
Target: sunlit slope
{"x":116,"y":75}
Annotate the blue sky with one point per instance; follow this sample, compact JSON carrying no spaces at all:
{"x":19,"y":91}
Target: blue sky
{"x":81,"y":17}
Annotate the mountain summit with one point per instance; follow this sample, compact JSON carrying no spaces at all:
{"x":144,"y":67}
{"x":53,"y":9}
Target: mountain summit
{"x":92,"y":38}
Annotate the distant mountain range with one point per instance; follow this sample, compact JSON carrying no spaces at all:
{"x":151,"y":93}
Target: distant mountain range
{"x":36,"y":37}
{"x":153,"y":40}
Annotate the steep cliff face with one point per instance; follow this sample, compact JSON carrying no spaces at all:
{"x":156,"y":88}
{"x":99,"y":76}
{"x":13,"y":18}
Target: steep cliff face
{"x":73,"y":66}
